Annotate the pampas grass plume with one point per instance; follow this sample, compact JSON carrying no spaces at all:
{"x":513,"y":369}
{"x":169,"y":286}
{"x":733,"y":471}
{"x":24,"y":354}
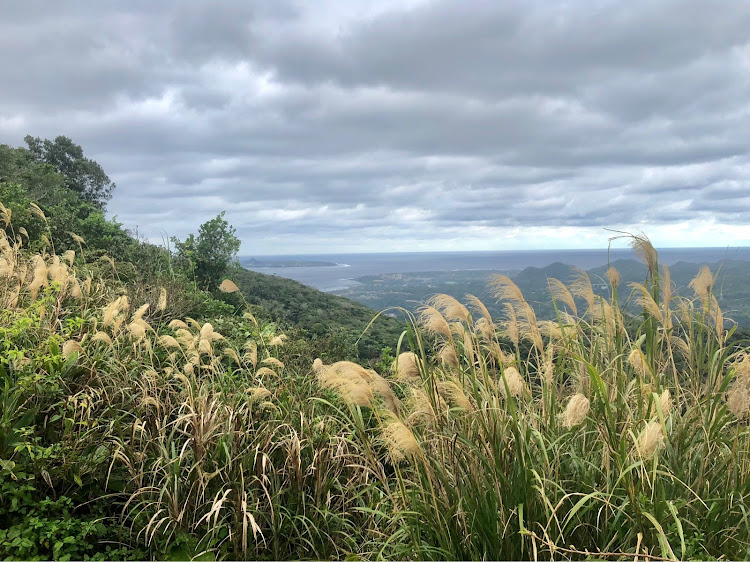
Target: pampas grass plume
{"x":405,"y":367}
{"x":228,"y":286}
{"x":649,"y":440}
{"x":516,"y":385}
{"x":399,"y":440}
{"x":576,"y":411}
{"x":162,"y":305}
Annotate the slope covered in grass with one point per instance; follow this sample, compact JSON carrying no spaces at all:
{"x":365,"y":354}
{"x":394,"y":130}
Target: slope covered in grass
{"x":129,"y":432}
{"x":144,"y":418}
{"x":318,"y":314}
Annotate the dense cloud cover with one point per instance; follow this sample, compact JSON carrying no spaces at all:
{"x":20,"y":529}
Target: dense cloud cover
{"x":388,"y":126}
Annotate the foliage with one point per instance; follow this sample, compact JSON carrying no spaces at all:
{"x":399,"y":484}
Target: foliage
{"x":82,"y":176}
{"x":208,"y":256}
{"x":143,"y":418}
{"x":320,"y":316}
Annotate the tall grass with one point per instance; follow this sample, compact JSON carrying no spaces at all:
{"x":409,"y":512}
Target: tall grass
{"x":591,"y":439}
{"x":506,"y":438}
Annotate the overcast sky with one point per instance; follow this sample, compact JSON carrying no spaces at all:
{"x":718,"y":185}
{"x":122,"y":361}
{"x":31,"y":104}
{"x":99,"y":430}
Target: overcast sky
{"x":324,"y":126}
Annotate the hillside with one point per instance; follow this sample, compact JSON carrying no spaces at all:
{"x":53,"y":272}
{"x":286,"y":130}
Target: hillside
{"x":161,"y":405}
{"x":318,"y":314}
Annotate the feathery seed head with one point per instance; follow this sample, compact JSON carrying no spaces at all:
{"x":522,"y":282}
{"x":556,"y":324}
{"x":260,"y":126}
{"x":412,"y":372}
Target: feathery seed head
{"x":738,"y":396}
{"x":277,"y":340}
{"x":702,"y":284}
{"x":421,"y":410}
{"x":257,"y":394}
{"x":455,"y":394}
{"x":582,"y":288}
{"x":434,"y":322}
{"x":638,"y":361}
{"x":613,"y":276}
{"x":168,"y":342}
{"x":512,"y":329}
{"x":232,"y":354}
{"x":450,"y":308}
{"x":665,"y":402}
{"x":228,"y":286}
{"x":576,"y":411}
{"x":645,"y":300}
{"x":138,"y":314}
{"x":561,"y":293}
{"x":113,"y":310}
{"x":69,"y":256}
{"x":137,"y":329}
{"x":649,"y":440}
{"x":352,"y":389}
{"x":75,"y":289}
{"x":447,"y":354}
{"x":645,"y":250}
{"x":399,"y":440}
{"x":71,"y":346}
{"x":485,"y":328}
{"x":35,"y":210}
{"x":251,"y":352}
{"x":177,"y":324}
{"x":162,"y":304}
{"x":405,"y":367}
{"x":516,"y":385}
{"x":5,"y":214}
{"x":502,"y":287}
{"x":266,"y":372}
{"x":207,"y":331}
{"x":103,"y":337}
{"x":477,"y":305}
{"x":273,"y":362}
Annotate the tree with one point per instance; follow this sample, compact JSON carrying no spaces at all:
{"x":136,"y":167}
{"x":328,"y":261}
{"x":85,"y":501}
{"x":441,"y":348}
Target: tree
{"x":209,"y":255}
{"x":81,"y":175}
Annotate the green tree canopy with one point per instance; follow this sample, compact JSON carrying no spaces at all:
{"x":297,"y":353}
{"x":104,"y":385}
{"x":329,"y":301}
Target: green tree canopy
{"x":209,"y":255}
{"x":81,"y":175}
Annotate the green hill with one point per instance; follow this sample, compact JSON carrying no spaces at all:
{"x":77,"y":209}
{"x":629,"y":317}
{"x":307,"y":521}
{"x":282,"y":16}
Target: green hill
{"x":318,"y":314}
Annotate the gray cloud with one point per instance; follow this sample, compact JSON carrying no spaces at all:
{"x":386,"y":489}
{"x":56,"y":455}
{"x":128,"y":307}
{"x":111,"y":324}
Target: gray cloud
{"x":388,"y":125}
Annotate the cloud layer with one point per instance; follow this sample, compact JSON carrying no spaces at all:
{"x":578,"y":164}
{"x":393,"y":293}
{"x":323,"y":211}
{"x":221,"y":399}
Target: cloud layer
{"x":388,"y":126}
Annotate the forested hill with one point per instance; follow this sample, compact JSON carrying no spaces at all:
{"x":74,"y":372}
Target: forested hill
{"x":319,"y":314}
{"x":57,"y":198}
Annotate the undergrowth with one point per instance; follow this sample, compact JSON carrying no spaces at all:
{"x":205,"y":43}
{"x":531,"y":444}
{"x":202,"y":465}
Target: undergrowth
{"x":129,"y":431}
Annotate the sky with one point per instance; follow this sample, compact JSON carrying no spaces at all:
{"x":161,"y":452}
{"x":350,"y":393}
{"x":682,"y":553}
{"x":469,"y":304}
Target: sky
{"x":383,"y":126}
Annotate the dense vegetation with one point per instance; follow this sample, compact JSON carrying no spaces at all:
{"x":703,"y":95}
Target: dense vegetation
{"x":142,"y":417}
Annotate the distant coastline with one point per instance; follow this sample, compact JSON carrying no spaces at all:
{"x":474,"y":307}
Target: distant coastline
{"x":253,"y":263}
{"x":334,"y":272}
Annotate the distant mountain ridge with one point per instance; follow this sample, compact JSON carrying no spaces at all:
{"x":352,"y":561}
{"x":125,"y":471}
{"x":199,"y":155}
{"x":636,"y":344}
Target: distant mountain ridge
{"x":732,"y":286}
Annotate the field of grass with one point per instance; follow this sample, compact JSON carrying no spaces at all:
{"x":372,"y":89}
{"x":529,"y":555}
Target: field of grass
{"x":128,"y":433}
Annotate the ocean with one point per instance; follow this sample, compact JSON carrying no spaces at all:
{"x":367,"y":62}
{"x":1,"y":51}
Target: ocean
{"x":351,"y":266}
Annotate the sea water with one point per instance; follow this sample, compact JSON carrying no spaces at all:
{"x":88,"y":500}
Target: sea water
{"x":350,"y":266}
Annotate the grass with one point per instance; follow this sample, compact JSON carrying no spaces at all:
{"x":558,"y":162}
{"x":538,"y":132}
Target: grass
{"x":597,"y":435}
